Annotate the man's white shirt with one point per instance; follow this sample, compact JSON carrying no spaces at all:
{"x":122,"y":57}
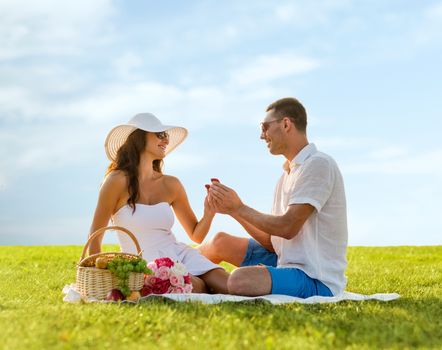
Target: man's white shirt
{"x":320,"y":247}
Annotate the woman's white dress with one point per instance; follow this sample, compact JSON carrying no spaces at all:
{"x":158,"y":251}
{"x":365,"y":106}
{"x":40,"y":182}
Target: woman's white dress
{"x":151,"y":225}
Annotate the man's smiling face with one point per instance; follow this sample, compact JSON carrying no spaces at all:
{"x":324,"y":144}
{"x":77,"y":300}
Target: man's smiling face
{"x":271,"y":132}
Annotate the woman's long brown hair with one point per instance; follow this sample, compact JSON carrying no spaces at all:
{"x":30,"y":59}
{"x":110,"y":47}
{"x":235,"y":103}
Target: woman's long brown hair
{"x":128,"y":160}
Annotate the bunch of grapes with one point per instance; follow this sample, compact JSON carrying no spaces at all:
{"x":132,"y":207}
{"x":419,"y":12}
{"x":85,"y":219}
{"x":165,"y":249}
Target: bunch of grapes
{"x":122,"y":267}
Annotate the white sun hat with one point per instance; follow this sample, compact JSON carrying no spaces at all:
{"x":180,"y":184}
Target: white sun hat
{"x":147,"y":122}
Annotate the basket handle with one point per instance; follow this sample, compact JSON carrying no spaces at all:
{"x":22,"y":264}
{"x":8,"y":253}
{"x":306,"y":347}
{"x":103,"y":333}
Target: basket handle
{"x":101,"y":230}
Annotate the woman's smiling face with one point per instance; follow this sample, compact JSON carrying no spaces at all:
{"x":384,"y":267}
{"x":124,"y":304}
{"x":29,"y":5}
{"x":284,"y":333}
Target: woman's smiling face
{"x":156,"y":143}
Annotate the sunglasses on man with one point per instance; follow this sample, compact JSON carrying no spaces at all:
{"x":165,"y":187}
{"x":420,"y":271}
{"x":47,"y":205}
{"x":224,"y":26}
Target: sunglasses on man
{"x":265,"y":125}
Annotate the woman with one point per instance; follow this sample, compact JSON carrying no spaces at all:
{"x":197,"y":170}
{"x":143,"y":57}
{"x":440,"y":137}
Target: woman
{"x":136,"y":195}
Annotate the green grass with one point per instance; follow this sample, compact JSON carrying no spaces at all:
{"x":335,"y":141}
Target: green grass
{"x":33,"y":315}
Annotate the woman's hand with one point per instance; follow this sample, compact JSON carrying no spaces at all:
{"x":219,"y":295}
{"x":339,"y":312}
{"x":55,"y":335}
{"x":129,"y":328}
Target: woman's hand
{"x":209,"y":209}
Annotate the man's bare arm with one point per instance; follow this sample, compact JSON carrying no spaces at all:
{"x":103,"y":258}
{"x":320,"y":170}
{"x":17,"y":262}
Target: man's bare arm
{"x":286,"y":226}
{"x":261,"y":237}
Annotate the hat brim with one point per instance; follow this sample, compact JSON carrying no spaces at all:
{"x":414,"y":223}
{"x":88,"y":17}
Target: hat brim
{"x":118,"y":136}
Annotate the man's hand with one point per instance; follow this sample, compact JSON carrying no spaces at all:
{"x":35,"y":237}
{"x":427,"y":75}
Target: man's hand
{"x":226,"y":200}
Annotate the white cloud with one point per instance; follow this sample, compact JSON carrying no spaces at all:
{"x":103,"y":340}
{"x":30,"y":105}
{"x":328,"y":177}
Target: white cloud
{"x":213,"y":38}
{"x":434,"y":11}
{"x":3,"y":182}
{"x":183,"y":161}
{"x":308,"y":14}
{"x":388,"y":153}
{"x":429,"y":163}
{"x":118,"y":102}
{"x":19,"y":83}
{"x":32,"y":149}
{"x":429,"y":28}
{"x":50,"y":26}
{"x":266,"y":68}
{"x":126,"y":64}
{"x":46,"y":132}
{"x":370,"y":156}
{"x":194,"y":106}
{"x":344,"y":143}
{"x":56,"y":109}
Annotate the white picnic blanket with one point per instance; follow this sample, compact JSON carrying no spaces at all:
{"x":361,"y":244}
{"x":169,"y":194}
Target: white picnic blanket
{"x":71,"y":295}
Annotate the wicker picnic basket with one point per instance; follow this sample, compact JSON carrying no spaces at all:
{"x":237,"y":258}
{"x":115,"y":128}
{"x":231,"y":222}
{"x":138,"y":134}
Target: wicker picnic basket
{"x":96,"y":283}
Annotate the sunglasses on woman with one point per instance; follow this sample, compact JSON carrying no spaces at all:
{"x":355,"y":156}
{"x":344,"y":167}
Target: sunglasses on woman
{"x":162,"y":135}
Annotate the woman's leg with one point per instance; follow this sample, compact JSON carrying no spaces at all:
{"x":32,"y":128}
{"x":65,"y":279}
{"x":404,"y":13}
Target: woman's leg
{"x":216,"y":281}
{"x":199,"y":286}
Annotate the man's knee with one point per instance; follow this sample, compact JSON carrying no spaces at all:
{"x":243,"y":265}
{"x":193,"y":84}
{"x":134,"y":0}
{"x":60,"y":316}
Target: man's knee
{"x":213,"y":249}
{"x":250,"y":281}
{"x":220,"y":240}
{"x":238,"y":283}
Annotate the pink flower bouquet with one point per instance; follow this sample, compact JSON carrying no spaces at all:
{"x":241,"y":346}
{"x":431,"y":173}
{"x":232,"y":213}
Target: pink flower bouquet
{"x":168,"y":277}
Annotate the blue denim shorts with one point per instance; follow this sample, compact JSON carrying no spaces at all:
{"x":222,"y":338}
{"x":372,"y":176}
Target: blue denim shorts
{"x":285,"y":280}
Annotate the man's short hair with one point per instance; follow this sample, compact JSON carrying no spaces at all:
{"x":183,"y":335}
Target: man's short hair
{"x":291,"y":108}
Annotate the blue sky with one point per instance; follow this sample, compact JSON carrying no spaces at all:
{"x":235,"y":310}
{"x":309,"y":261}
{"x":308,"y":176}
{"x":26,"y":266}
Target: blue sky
{"x":368,"y":73}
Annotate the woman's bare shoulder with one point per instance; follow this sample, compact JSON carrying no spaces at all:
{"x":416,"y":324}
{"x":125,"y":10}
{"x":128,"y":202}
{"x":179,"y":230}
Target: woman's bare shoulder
{"x":172,"y":183}
{"x":116,"y":178}
{"x":171,"y":180}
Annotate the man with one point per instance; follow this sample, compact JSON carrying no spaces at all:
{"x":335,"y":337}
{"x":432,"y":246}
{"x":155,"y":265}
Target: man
{"x":300,"y":249}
